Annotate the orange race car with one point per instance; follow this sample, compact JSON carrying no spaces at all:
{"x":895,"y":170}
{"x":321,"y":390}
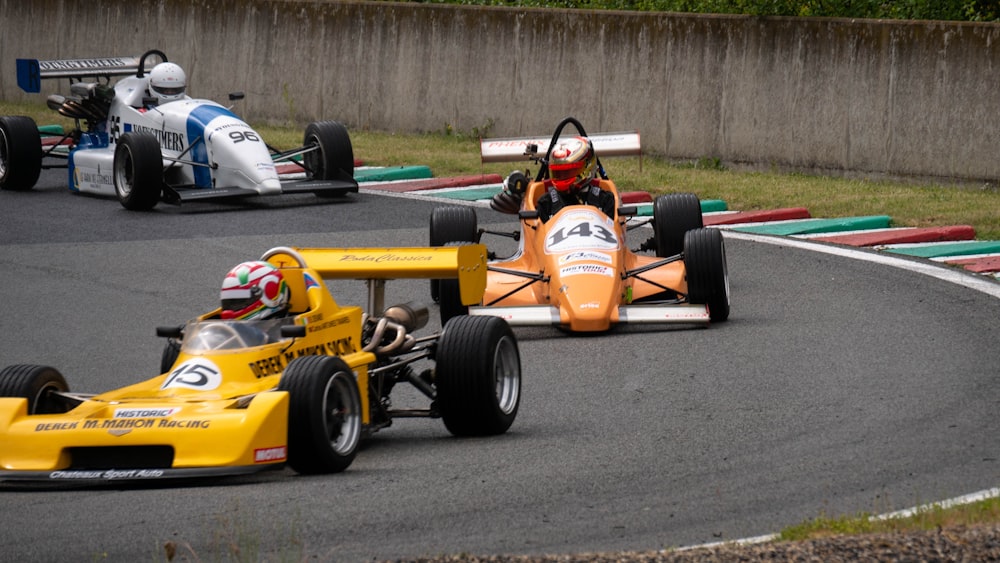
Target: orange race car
{"x":573,"y":267}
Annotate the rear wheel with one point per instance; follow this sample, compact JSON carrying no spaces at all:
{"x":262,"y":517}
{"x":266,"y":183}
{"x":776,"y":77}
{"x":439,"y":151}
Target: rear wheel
{"x":452,"y":223}
{"x":138,"y":171}
{"x":674,"y":215}
{"x":20,"y":153}
{"x":478,"y":376}
{"x":707,"y":273}
{"x":38,"y":384}
{"x":324,"y":414}
{"x":334,"y":157}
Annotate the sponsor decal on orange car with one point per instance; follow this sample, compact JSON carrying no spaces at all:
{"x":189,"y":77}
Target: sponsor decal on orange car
{"x":583,"y":256}
{"x":578,"y":269}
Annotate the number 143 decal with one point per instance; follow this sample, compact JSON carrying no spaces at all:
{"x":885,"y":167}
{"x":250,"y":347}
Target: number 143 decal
{"x":572,"y":233}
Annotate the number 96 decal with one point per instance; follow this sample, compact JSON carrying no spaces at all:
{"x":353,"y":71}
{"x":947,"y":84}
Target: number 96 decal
{"x":583,"y":229}
{"x":240,"y":136}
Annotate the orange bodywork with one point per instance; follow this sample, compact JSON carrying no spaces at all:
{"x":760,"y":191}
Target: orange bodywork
{"x":578,"y":266}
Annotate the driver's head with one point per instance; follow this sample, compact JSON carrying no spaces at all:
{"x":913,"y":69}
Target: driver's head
{"x":167,"y":82}
{"x":572,"y":163}
{"x":254,"y":290}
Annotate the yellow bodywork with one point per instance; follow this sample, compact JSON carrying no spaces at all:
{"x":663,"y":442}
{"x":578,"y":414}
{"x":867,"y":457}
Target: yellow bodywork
{"x":239,"y":423}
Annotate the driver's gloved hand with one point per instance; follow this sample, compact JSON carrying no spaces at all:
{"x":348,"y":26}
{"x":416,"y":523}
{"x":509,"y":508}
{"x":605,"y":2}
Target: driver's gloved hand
{"x":509,"y":198}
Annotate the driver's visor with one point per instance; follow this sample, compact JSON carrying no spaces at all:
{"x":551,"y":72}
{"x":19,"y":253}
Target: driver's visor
{"x":565,"y":171}
{"x":237,"y":299}
{"x":168,"y":91}
{"x":237,"y":304}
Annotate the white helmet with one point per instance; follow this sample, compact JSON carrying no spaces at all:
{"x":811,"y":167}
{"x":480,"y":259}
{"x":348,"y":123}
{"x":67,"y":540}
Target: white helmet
{"x":167,"y":82}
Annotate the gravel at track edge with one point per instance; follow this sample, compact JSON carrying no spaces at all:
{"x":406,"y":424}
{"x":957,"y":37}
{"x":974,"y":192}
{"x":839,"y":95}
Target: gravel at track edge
{"x":953,"y":544}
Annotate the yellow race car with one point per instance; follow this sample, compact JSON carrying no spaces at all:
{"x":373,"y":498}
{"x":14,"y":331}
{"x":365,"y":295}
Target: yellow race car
{"x":239,"y":394}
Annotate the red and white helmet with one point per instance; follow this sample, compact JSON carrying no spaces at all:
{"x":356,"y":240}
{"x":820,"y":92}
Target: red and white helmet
{"x":572,"y":163}
{"x":167,"y":82}
{"x":254,"y":290}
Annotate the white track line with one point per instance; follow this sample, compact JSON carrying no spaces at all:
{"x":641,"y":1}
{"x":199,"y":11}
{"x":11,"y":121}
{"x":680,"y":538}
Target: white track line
{"x":949,"y":274}
{"x":905,"y":513}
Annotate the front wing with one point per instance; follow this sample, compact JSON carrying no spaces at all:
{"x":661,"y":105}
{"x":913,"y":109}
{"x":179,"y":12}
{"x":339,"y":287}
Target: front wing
{"x":319,"y":187}
{"x":140,"y":441}
{"x":547,"y":315}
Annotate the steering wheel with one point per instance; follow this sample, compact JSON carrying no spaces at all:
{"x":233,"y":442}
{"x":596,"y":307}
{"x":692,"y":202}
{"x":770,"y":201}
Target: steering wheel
{"x":142,"y":61}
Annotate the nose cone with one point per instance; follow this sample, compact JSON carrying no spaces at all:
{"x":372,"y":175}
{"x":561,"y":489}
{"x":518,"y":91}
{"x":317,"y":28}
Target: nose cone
{"x":241,"y":159}
{"x":269,"y":186}
{"x":589,"y":294}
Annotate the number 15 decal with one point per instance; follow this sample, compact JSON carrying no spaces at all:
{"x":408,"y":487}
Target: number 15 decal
{"x":198,"y":374}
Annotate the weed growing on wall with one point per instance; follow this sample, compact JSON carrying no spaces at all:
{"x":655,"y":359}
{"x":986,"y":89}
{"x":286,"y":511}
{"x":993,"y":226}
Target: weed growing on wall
{"x":952,"y":10}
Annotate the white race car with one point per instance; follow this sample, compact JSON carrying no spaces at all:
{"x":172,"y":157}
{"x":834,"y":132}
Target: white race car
{"x":129,"y":144}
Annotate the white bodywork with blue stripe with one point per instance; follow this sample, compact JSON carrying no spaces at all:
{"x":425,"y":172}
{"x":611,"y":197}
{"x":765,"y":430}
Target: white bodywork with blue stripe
{"x":215,"y":148}
{"x":128,"y":145}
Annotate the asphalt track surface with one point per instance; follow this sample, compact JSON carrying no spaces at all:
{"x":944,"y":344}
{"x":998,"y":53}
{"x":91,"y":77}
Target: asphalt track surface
{"x":837,"y":386}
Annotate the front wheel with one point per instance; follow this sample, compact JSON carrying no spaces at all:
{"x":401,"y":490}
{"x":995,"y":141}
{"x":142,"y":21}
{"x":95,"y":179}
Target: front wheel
{"x":20,"y":153}
{"x":138,"y":171}
{"x":38,"y":384}
{"x":674,"y":215}
{"x":707,"y":273}
{"x":478,"y":376}
{"x":333,"y":156}
{"x":451,"y":223}
{"x":324,"y":414}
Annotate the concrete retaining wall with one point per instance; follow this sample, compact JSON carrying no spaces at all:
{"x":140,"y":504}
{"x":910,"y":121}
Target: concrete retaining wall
{"x":871,"y":97}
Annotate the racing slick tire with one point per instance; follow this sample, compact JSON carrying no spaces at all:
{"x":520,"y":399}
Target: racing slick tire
{"x":451,"y":223}
{"x":20,"y":153}
{"x":450,"y":300}
{"x":35,"y":383}
{"x":707,"y":273}
{"x":674,"y":215}
{"x":478,"y":376}
{"x":324,"y":414}
{"x":138,"y":171}
{"x":335,"y":157}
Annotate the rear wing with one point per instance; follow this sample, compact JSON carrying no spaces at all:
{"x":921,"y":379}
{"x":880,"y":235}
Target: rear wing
{"x":467,"y":263}
{"x":31,"y":72}
{"x":526,"y":148}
